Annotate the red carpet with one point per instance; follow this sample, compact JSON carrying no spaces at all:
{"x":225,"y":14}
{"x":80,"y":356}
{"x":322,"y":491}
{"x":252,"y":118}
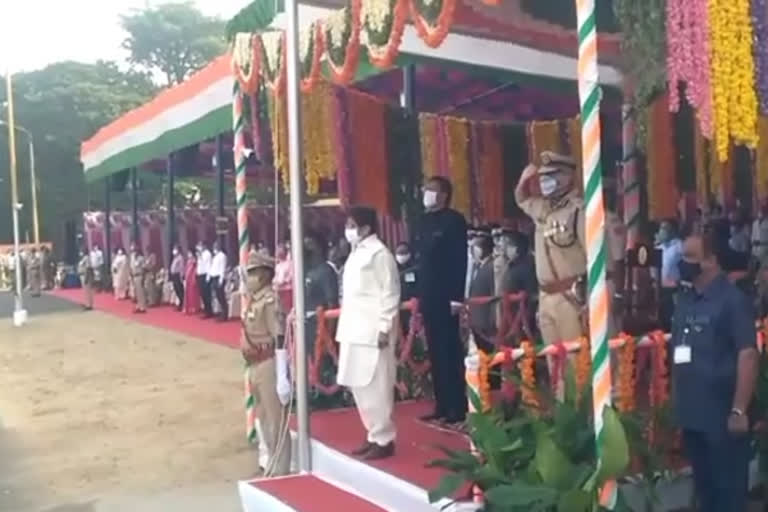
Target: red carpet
{"x":163,"y":317}
{"x":307,"y":493}
{"x":416,"y":442}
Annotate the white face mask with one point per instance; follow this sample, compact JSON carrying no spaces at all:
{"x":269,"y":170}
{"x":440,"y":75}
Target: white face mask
{"x":512,"y":252}
{"x":402,"y":259}
{"x":175,"y":252}
{"x":548,"y":185}
{"x":430,"y":199}
{"x":477,"y":253}
{"x":352,"y":235}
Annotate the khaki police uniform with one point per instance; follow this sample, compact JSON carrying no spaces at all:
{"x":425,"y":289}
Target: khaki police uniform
{"x":85,"y":271}
{"x":35,"y":274}
{"x":137,"y":276}
{"x":261,"y":328}
{"x":560,"y":251}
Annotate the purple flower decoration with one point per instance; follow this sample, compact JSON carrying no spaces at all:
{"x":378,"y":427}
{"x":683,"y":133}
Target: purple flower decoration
{"x":760,"y":48}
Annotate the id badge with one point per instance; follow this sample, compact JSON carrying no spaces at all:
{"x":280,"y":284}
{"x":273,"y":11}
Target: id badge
{"x":410,"y":277}
{"x":682,"y":354}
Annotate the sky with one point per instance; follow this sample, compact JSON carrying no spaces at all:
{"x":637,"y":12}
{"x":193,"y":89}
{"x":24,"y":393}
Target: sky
{"x":34,"y":33}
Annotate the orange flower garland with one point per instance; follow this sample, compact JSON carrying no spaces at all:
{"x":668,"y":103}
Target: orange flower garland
{"x":457,"y":134}
{"x":374,"y":13}
{"x":527,"y":365}
{"x":428,"y":135}
{"x":314,"y":51}
{"x":484,"y":384}
{"x":246,"y":62}
{"x":273,"y":61}
{"x":433,"y":35}
{"x":492,"y":167}
{"x":279,"y":125}
{"x":344,"y":23}
{"x":583,"y":366}
{"x":626,"y":375}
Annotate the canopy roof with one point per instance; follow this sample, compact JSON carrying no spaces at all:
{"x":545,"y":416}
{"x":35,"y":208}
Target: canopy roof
{"x":504,"y":41}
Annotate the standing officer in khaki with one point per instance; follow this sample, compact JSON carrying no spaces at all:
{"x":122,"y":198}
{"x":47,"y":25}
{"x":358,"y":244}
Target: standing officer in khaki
{"x":138,"y":266}
{"x":262,"y":347}
{"x":548,"y":195}
{"x":87,"y":278}
{"x":35,"y":272}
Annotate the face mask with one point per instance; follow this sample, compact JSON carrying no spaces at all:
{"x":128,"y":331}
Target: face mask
{"x":253,"y":283}
{"x":477,"y":253}
{"x":175,"y":252}
{"x":352,"y":235}
{"x":430,"y":199}
{"x":548,"y":185}
{"x":689,"y":271}
{"x":402,"y":259}
{"x":512,"y":252}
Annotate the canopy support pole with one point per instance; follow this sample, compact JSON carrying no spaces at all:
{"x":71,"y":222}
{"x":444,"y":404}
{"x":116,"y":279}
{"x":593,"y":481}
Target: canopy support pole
{"x":297,"y":236}
{"x":135,"y":208}
{"x":108,"y":231}
{"x":171,"y":209}
{"x":408,"y":95}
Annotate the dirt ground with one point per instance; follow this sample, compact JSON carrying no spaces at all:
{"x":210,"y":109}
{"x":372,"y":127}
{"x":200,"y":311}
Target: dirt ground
{"x":95,"y":409}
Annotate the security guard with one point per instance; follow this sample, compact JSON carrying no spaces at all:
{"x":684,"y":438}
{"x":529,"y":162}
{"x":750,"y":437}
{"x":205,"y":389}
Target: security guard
{"x":35,"y":272}
{"x":715,"y":367}
{"x":261,"y":343}
{"x":138,"y":267}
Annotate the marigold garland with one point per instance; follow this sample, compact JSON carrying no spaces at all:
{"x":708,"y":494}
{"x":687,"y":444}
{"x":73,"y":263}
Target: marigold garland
{"x":319,"y":152}
{"x":246,"y":62}
{"x":583,"y":366}
{"x":432,"y":31}
{"x":626,"y":375}
{"x":341,"y":38}
{"x":543,"y":136}
{"x":491,"y":157}
{"x":428,"y":135}
{"x":384,"y":23}
{"x":663,"y":193}
{"x":457,"y":142}
{"x":279,"y":130}
{"x":367,"y":120}
{"x":527,"y":365}
{"x":484,"y":384}
{"x":273,"y":61}
{"x":311,"y":51}
{"x":733,"y":68}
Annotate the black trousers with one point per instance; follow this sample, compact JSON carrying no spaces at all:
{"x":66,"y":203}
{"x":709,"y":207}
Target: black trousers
{"x":178,"y":288}
{"x":720,"y":470}
{"x":205,"y":294}
{"x":666,"y":308}
{"x":221,"y":297}
{"x":446,"y":354}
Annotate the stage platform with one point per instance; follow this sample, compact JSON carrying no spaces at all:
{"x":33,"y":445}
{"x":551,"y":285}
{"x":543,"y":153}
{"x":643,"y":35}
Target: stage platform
{"x":397,"y":484}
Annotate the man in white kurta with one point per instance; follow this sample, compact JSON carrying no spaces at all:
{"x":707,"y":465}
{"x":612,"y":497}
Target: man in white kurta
{"x":367,"y":334}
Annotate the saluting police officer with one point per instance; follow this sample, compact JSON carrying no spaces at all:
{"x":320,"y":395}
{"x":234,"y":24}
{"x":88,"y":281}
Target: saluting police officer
{"x":262,"y":347}
{"x":715,"y":366}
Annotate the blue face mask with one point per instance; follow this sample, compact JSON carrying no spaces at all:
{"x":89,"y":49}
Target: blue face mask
{"x":689,"y":271}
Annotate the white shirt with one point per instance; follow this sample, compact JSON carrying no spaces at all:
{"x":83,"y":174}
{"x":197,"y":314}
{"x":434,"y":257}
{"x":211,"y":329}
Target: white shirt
{"x":204,"y":263}
{"x":97,"y":258}
{"x":218,"y":266}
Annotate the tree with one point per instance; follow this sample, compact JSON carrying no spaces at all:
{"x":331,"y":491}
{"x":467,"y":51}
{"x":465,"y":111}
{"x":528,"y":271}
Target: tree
{"x":174,"y":39}
{"x":62,"y":105}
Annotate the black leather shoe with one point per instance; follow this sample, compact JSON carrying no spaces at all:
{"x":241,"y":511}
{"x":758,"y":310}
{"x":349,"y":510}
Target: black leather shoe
{"x":363,"y":449}
{"x":435,"y":416}
{"x":378,"y":452}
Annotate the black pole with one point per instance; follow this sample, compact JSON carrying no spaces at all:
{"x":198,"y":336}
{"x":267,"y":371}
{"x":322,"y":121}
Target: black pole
{"x":108,"y":232}
{"x":408,"y":99}
{"x":171,"y":209}
{"x":220,"y":185}
{"x":135,"y":207}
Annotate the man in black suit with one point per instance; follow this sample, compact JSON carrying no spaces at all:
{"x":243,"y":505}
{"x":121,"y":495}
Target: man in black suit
{"x":441,"y":242}
{"x":482,"y":316}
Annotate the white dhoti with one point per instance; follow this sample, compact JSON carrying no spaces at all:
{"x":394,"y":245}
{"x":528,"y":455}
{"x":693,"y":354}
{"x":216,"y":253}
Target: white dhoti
{"x":370,"y":373}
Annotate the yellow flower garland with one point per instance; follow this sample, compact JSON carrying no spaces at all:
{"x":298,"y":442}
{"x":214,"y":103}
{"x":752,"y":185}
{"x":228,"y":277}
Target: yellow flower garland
{"x":545,"y":136}
{"x":733,"y":88}
{"x":457,"y":132}
{"x":279,"y":124}
{"x":319,"y":155}
{"x":427,"y":133}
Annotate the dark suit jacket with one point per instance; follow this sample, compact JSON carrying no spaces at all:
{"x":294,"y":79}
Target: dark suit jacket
{"x":482,"y":317}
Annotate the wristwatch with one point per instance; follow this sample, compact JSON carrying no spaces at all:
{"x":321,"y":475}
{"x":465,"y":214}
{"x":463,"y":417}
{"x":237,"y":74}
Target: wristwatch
{"x":737,"y":412}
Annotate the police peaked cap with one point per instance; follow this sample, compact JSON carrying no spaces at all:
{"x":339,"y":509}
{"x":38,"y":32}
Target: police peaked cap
{"x":479,"y":232}
{"x":555,"y":162}
{"x":256,"y":261}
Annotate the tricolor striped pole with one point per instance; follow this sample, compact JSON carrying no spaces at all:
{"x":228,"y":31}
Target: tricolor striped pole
{"x":589,"y":95}
{"x":629,"y":172}
{"x":238,"y":127}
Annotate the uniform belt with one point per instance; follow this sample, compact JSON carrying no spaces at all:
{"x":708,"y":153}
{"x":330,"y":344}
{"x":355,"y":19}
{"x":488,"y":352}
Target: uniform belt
{"x":564,"y":285}
{"x":259,"y":353}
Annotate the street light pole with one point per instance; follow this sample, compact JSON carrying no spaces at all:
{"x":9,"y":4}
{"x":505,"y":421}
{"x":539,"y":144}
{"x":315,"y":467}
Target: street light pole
{"x":19,"y":315}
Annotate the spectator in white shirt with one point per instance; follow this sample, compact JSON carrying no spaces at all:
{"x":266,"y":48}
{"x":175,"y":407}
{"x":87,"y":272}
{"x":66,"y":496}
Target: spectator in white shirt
{"x":177,"y":276}
{"x":217,"y":279}
{"x":203,"y":266}
{"x":97,"y":263}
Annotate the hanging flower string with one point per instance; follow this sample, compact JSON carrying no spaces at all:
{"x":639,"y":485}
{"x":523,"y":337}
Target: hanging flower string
{"x":311,"y":48}
{"x":527,"y":365}
{"x":432,"y":19}
{"x":626,"y":374}
{"x":273,"y":61}
{"x":384,"y":23}
{"x":341,"y":36}
{"x":246,"y":62}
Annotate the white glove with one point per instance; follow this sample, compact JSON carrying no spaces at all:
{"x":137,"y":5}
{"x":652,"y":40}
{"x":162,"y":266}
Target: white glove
{"x":283,"y":387}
